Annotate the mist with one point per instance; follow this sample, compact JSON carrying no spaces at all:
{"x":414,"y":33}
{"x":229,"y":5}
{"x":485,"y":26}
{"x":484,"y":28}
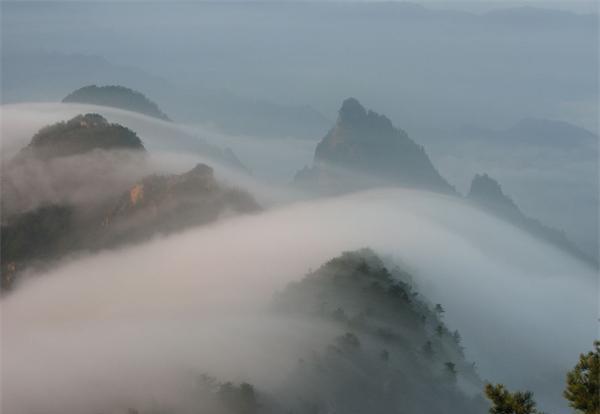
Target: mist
{"x":351,"y":206}
{"x":133,"y":322}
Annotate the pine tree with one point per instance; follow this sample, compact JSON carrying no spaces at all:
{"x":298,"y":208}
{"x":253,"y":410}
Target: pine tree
{"x":439,"y":309}
{"x":583,"y":383}
{"x":505,"y":402}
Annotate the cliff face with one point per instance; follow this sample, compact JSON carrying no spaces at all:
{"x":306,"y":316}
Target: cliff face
{"x":365,"y":144}
{"x":116,"y":97}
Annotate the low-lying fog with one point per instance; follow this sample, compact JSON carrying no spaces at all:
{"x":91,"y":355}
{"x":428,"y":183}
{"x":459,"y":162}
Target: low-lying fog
{"x":285,"y":156}
{"x":129,"y":326}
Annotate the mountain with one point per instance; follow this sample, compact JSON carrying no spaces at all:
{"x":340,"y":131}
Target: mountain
{"x":241,"y":115}
{"x":73,"y":188}
{"x":391,"y":343}
{"x":81,"y":134}
{"x":156,"y":204}
{"x":537,"y":132}
{"x":485,"y":192}
{"x":169,"y":203}
{"x":364,"y":149}
{"x":116,"y":97}
{"x":36,"y":75}
{"x":383,"y":349}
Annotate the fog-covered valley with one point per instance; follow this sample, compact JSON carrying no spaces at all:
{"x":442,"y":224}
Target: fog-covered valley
{"x":299,"y":207}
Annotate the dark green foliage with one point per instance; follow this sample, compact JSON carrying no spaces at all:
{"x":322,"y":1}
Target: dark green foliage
{"x":239,"y":399}
{"x":348,"y":341}
{"x":34,"y":235}
{"x":116,"y":97}
{"x":428,"y":349}
{"x":583,"y":383}
{"x":79,"y":135}
{"x":379,"y":363}
{"x":450,"y":370}
{"x":439,"y":309}
{"x":505,"y":402}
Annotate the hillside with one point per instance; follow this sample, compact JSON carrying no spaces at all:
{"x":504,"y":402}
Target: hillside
{"x":79,"y":135}
{"x":486,"y":193}
{"x":364,"y":149}
{"x":73,"y":188}
{"x":116,"y":97}
{"x":389,"y":350}
{"x":170,"y":203}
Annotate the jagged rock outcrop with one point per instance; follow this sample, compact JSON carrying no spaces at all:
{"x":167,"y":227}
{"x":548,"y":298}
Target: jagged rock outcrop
{"x":79,"y":135}
{"x":486,"y":193}
{"x":117,"y":97}
{"x":364,"y":149}
{"x":168,"y":203}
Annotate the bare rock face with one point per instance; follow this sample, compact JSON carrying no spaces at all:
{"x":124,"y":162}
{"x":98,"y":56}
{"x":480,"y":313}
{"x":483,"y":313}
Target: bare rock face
{"x":168,"y":203}
{"x":367,"y":146}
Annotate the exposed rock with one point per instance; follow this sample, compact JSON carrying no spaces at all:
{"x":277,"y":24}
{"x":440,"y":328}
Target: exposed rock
{"x":364,"y":150}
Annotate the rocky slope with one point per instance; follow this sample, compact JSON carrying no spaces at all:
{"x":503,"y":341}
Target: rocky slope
{"x":364,"y":149}
{"x":485,"y":192}
{"x":116,"y":97}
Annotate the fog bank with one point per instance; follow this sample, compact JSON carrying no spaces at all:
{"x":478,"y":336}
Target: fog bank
{"x":126,"y":323}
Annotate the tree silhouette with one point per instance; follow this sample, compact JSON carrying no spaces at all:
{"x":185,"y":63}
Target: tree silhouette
{"x":583,"y":383}
{"x":505,"y":402}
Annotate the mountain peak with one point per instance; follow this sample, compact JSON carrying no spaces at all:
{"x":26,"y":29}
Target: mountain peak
{"x":484,"y":189}
{"x":116,"y":96}
{"x":374,"y":152}
{"x":201,"y":170}
{"x":82,"y":134}
{"x":487,"y":193}
{"x":351,"y":111}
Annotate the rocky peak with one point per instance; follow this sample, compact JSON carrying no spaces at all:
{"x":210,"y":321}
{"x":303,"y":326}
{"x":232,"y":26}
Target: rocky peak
{"x":351,"y":111}
{"x":486,"y":190}
{"x":367,"y":145}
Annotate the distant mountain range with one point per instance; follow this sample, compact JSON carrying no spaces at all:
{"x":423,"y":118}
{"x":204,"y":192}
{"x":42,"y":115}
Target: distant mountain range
{"x":365,"y":150}
{"x":117,"y":97}
{"x":534,"y":131}
{"x":42,"y":76}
